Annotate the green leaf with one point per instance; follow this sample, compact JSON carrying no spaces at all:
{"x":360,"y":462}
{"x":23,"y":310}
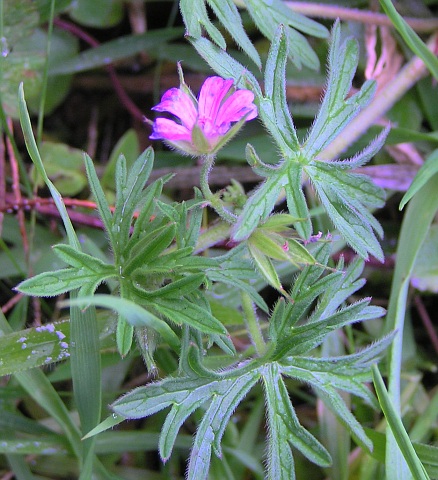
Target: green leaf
{"x":99,"y":195}
{"x":296,"y":201}
{"x":83,"y":326}
{"x":79,"y":259}
{"x":268,"y":16}
{"x":32,"y":447}
{"x":184,"y":311}
{"x":345,"y":365}
{"x":36,"y":158}
{"x":275,"y":91}
{"x":285,"y":430}
{"x":98,"y":14}
{"x":411,"y":38}
{"x":308,"y":372}
{"x":86,"y":369}
{"x":428,"y":454}
{"x":225,"y":65}
{"x":44,"y":345}
{"x":49,"y":284}
{"x":418,"y":217}
{"x":175,"y":289}
{"x":185,"y":395}
{"x":280,"y":248}
{"x":142,"y":223}
{"x":109,"y":52}
{"x":129,"y":146}
{"x":310,"y":335}
{"x":427,"y":170}
{"x":345,"y":196}
{"x":129,"y":188}
{"x":228,"y":15}
{"x":124,"y":335}
{"x":336,"y":110}
{"x":339,"y":193}
{"x":398,"y":429}
{"x":29,"y":348}
{"x":134,"y":314}
{"x":259,"y":206}
{"x":109,"y":422}
{"x":211,"y":429}
{"x":148,"y":248}
{"x":195,"y":17}
{"x":425,"y":272}
{"x":265,"y":267}
{"x":332,"y":290}
{"x":334,"y":402}
{"x":38,"y":386}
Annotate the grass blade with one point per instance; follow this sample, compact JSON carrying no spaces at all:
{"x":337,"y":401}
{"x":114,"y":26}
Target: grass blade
{"x":397,"y":428}
{"x":419,"y":215}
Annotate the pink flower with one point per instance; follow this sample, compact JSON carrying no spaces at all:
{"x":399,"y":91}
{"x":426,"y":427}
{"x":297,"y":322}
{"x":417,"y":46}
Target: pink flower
{"x":204,"y":125}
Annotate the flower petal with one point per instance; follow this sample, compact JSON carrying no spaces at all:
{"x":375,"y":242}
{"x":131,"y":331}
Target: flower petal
{"x":236,"y":107}
{"x":213,"y":91}
{"x":178,"y":103}
{"x":165,"y":129}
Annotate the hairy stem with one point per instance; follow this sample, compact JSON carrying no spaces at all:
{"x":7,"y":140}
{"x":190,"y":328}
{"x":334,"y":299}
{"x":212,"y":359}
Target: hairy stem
{"x":252,"y":324}
{"x":215,"y":202}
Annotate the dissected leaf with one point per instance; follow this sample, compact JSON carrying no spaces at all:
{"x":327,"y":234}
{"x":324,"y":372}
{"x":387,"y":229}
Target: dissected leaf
{"x":185,"y":395}
{"x":268,"y":16}
{"x":285,"y":430}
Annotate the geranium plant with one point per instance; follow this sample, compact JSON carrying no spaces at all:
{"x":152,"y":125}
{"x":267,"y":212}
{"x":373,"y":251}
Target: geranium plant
{"x":180,"y":283}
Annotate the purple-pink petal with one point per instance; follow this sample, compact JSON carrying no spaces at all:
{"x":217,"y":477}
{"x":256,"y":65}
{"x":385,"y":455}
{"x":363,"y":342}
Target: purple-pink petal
{"x":165,"y":129}
{"x":214,"y":112}
{"x":213,"y":91}
{"x":178,"y":103}
{"x":236,"y":107}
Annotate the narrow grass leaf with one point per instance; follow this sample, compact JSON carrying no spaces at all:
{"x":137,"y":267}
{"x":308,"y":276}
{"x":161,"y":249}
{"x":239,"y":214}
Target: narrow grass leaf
{"x":134,"y":314}
{"x":397,"y":428}
{"x":36,"y":158}
{"x":411,"y":38}
{"x":109,"y":422}
{"x":428,"y":170}
{"x":109,"y":52}
{"x":418,"y":217}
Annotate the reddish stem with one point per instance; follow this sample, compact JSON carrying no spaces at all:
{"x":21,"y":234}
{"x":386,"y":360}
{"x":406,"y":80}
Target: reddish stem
{"x":425,"y":318}
{"x":120,"y":91}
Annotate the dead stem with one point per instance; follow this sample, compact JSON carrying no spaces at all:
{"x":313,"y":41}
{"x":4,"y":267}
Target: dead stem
{"x":362,"y":16}
{"x":408,"y":76}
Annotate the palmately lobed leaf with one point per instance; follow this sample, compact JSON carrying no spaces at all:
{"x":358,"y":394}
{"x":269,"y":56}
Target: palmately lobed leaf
{"x":268,"y":16}
{"x":285,"y":430}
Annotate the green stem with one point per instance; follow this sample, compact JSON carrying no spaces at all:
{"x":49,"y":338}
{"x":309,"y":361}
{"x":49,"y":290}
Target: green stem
{"x":252,"y":324}
{"x":214,"y":201}
{"x":212,"y":236}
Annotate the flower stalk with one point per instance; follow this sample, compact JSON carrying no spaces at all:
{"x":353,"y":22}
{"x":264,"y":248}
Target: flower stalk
{"x":214,"y":201}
